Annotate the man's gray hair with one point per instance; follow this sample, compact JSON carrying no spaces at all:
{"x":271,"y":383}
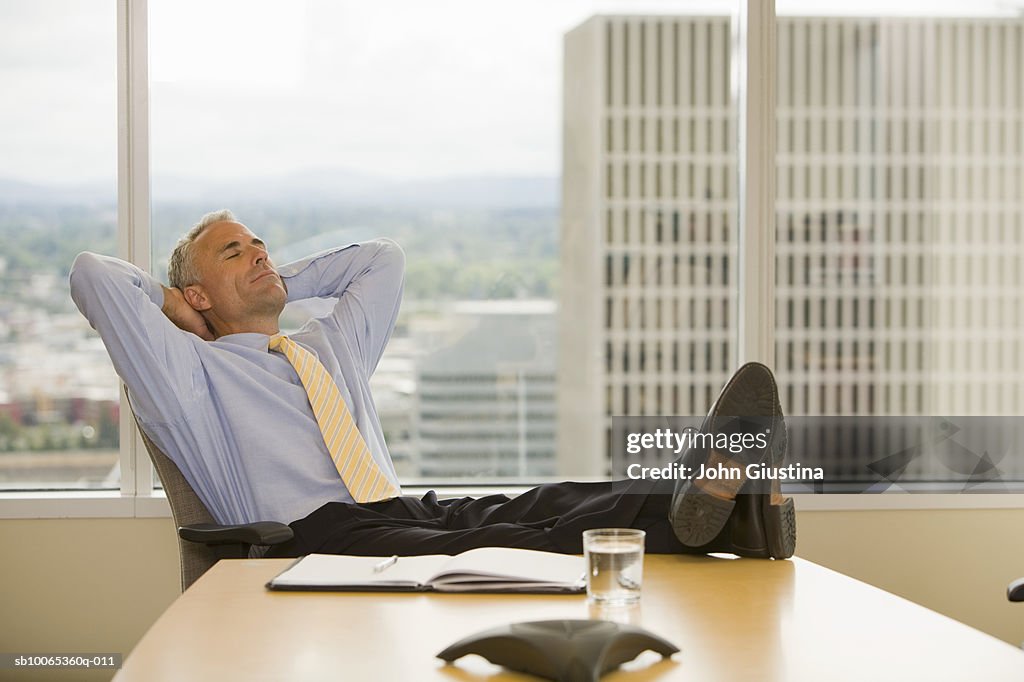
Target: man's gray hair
{"x":181,"y":268}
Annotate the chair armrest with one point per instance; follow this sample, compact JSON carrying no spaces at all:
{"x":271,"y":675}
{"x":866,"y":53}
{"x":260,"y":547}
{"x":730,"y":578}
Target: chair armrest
{"x":1015,"y":590}
{"x":259,"y":533}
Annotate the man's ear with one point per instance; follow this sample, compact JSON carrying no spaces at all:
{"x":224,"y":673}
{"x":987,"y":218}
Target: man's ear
{"x":197,"y":298}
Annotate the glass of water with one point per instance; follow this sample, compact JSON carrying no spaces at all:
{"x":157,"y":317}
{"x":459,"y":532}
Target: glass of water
{"x":615,"y":565}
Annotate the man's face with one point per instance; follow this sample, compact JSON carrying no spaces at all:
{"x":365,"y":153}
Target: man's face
{"x":237,"y":280}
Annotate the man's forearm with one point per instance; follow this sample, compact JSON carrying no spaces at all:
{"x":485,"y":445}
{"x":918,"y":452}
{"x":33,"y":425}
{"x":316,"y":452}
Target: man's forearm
{"x":152,"y":356}
{"x":376,"y":266}
{"x":367,"y":280}
{"x":95,"y":280}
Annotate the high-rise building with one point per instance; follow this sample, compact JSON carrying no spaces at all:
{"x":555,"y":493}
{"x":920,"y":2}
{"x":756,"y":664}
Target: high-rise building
{"x":900,"y":195}
{"x":485,"y":400}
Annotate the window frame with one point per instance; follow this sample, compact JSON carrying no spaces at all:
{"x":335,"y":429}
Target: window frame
{"x":753,"y":89}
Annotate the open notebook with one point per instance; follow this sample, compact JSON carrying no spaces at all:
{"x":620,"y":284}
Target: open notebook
{"x":487,"y":569}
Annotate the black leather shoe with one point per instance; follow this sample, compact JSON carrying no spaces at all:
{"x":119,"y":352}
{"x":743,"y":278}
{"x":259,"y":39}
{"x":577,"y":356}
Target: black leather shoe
{"x":743,"y":516}
{"x":762,"y":525}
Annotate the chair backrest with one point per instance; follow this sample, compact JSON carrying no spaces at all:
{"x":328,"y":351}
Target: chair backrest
{"x":186,"y":508}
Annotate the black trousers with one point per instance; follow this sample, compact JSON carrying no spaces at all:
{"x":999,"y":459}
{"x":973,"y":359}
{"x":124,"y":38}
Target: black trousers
{"x":550,"y":517}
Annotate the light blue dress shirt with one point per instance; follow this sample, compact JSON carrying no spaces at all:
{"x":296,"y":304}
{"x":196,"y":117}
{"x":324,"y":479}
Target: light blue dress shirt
{"x":233,"y":416}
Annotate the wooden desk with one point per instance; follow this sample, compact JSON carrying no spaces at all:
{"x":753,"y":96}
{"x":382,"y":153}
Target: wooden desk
{"x":733,"y":619}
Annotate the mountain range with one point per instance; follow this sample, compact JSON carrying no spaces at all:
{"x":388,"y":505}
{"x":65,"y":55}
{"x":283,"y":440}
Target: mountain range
{"x":319,"y":186}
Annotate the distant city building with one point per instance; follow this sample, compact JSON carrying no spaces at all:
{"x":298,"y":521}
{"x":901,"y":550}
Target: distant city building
{"x":394,"y":393}
{"x":485,"y":399}
{"x":900,"y":196}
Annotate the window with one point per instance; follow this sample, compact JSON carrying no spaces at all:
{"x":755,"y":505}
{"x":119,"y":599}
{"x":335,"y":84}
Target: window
{"x":59,"y":402}
{"x":899,"y":210}
{"x":441,"y":125}
{"x":563,"y":179}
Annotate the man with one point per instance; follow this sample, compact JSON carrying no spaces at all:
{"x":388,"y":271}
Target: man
{"x":266,"y":427}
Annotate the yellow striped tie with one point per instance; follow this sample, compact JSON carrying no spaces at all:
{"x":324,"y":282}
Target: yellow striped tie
{"x":365,"y":481}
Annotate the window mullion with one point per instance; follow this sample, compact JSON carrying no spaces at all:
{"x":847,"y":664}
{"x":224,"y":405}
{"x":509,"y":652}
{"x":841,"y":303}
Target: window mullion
{"x":133,"y":199}
{"x":754,"y":93}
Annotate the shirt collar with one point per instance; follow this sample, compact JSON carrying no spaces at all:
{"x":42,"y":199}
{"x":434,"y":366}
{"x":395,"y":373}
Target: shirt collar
{"x":253,"y":340}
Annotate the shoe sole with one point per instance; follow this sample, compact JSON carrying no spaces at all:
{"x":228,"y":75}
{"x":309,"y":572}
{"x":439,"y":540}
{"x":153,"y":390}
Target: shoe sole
{"x":698,"y":517}
{"x":780,"y":527}
{"x":779,"y":519}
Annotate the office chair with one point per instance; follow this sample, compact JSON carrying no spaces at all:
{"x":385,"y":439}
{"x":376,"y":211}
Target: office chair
{"x":202,"y":542}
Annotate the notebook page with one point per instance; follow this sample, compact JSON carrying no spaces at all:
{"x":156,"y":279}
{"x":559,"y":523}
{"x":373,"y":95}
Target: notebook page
{"x":329,"y":570}
{"x":507,"y":564}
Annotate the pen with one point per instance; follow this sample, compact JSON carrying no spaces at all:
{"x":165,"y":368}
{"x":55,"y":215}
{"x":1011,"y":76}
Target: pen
{"x":377,"y":568}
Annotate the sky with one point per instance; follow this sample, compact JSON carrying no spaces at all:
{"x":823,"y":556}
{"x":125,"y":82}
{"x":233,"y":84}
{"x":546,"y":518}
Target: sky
{"x":396,"y":89}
